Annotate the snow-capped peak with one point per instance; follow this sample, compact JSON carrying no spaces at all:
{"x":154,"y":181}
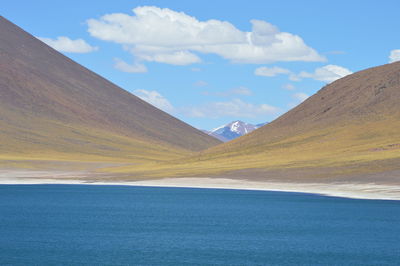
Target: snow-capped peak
{"x":233,"y":130}
{"x":235,"y":126}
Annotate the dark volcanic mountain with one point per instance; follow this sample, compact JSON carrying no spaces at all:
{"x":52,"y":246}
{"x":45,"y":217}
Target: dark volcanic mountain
{"x":51,"y":106}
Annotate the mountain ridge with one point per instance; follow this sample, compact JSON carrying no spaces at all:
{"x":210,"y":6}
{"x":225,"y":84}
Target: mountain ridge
{"x":50,"y":104}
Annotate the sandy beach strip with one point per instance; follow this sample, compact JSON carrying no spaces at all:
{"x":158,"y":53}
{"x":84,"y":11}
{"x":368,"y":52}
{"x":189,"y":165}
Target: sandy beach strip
{"x":342,"y":189}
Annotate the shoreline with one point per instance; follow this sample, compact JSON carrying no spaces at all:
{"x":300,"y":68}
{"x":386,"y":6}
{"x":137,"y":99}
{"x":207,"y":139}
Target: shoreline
{"x":334,"y":189}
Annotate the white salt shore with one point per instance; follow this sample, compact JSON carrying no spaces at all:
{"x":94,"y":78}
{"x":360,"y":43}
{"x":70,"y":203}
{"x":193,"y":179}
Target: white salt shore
{"x":348,"y":190}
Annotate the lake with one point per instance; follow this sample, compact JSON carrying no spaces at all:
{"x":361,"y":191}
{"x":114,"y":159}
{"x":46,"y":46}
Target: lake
{"x":126,"y":225}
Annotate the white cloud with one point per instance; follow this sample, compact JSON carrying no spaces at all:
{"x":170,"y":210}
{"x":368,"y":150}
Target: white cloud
{"x":125,"y":67}
{"x":289,"y":87}
{"x":271,"y":71}
{"x":294,"y":77}
{"x":394,"y":56}
{"x":179,"y":58}
{"x":300,"y":96}
{"x":233,"y":108}
{"x":65,"y":44}
{"x":156,"y":99}
{"x":166,"y":36}
{"x":328,"y":73}
{"x":200,"y":83}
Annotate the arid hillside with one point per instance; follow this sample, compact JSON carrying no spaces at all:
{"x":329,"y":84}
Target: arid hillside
{"x":54,"y":108}
{"x":364,"y":98}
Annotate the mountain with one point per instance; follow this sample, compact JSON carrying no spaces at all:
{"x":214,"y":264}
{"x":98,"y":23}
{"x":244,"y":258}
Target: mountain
{"x":349,"y":126}
{"x":53,"y":108}
{"x":233,"y":130}
{"x":349,"y":129}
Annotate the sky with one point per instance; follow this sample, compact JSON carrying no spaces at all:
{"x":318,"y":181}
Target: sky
{"x":211,"y":62}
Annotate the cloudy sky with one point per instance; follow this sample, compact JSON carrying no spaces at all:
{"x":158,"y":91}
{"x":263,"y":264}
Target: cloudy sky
{"x":211,"y":62}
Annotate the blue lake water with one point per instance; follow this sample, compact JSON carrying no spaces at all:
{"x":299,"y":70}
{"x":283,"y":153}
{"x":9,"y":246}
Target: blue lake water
{"x":121,"y":225}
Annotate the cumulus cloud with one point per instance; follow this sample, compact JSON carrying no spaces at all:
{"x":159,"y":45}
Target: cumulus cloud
{"x":300,"y":96}
{"x":156,"y":99}
{"x":179,"y":58}
{"x":294,"y":77}
{"x":328,"y":73}
{"x":166,"y":36}
{"x":271,"y":71}
{"x":65,"y":44}
{"x":233,"y":108}
{"x":289,"y":87}
{"x":297,"y":99}
{"x":394,"y":56}
{"x":130,"y":68}
{"x":200,"y":83}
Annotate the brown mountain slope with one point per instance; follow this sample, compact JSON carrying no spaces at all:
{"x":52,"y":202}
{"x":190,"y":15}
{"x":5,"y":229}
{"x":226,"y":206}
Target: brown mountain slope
{"x":369,"y":96}
{"x":51,"y":106}
{"x":351,"y":126}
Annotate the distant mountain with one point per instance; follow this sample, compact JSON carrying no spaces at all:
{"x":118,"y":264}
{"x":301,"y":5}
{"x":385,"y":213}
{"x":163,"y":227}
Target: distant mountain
{"x":232,"y":130}
{"x":53,"y":108}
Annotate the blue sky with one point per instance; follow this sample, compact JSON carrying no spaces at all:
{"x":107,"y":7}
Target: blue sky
{"x":211,"y":62}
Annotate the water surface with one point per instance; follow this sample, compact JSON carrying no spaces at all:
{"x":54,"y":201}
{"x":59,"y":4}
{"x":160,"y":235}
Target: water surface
{"x":121,"y":225}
